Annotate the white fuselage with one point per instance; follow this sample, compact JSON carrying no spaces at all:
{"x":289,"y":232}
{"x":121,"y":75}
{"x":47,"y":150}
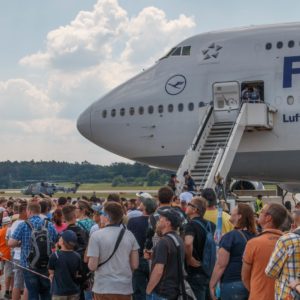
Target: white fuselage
{"x":162,"y":137}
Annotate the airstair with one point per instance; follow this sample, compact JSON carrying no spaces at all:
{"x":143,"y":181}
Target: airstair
{"x":216,"y":142}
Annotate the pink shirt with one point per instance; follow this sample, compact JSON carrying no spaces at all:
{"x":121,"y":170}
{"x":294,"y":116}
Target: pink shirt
{"x":61,"y":228}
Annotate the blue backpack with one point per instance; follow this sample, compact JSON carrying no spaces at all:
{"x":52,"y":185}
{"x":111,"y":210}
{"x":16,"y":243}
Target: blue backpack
{"x":209,"y":250}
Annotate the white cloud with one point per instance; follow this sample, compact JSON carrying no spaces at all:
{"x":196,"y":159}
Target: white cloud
{"x":21,"y":100}
{"x":82,"y":60}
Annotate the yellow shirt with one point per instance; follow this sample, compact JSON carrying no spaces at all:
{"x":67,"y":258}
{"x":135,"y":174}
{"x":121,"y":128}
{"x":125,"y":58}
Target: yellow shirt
{"x":212,"y":215}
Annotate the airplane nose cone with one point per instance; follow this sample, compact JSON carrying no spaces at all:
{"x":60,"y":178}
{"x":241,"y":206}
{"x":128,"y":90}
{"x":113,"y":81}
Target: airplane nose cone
{"x":84,"y":124}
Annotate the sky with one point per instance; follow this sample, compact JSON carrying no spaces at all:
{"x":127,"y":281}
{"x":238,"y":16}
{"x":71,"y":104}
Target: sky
{"x":59,"y":56}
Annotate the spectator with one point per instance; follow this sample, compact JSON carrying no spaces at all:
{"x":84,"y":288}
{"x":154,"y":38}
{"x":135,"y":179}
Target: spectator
{"x":64,"y":266}
{"x":164,"y":280}
{"x":189,"y":181}
{"x":172,"y":182}
{"x":211,"y":213}
{"x":296,"y":219}
{"x":185,"y":196}
{"x":113,"y":279}
{"x":231,"y":248}
{"x":258,"y":251}
{"x":165,"y":196}
{"x":139,"y":226}
{"x":194,"y":240}
{"x":69,"y":214}
{"x":83,"y":213}
{"x":258,"y":204}
{"x":6,"y":255}
{"x":97,"y":218}
{"x":36,"y":285}
{"x":284,"y":265}
{"x":133,"y":210}
{"x":18,"y":286}
{"x":58,"y":223}
{"x":62,"y":202}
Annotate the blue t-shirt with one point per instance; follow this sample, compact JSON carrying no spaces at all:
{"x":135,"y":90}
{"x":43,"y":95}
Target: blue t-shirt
{"x":234,"y":242}
{"x":66,"y":265}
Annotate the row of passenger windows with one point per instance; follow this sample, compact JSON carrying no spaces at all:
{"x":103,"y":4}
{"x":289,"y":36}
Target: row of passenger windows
{"x":280,"y":45}
{"x":150,"y":109}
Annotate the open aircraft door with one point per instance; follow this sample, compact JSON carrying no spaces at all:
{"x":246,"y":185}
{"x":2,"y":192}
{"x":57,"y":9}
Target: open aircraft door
{"x":226,"y":100}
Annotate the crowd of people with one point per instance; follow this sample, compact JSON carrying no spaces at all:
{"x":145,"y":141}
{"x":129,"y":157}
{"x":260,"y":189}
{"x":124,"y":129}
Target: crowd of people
{"x":149,"y":247}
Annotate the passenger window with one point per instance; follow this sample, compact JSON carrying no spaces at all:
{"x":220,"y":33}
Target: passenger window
{"x":186,"y":50}
{"x":291,"y":44}
{"x":122,"y":112}
{"x":141,"y":110}
{"x":160,"y":109}
{"x":170,"y":108}
{"x":104,"y":113}
{"x":201,"y":104}
{"x":180,"y":107}
{"x":150,"y":109}
{"x":113,"y":112}
{"x":131,"y":111}
{"x":177,"y":52}
{"x":279,"y":45}
{"x":191,"y":106}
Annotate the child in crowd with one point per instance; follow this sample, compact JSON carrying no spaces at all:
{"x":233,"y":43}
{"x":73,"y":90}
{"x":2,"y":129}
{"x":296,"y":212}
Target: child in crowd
{"x":64,"y":266}
{"x":5,"y":256}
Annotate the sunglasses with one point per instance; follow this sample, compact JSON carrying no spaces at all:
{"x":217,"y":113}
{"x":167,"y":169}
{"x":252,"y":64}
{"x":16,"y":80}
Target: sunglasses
{"x":192,"y":205}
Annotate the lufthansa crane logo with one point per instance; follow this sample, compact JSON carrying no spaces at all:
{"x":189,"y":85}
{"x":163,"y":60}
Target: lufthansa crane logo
{"x":175,"y":85}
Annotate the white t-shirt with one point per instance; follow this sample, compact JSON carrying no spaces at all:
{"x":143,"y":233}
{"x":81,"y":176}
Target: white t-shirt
{"x":10,"y":231}
{"x":115,"y":276}
{"x":94,"y":228}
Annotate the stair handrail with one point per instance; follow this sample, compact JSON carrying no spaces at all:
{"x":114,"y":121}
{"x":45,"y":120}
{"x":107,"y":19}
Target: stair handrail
{"x":202,"y":127}
{"x":211,"y":162}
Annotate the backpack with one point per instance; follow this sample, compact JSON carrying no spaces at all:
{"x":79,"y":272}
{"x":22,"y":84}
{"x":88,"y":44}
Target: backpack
{"x":40,"y":246}
{"x":209,"y":249}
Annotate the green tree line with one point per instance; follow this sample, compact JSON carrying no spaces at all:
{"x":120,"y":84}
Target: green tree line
{"x":17,"y":174}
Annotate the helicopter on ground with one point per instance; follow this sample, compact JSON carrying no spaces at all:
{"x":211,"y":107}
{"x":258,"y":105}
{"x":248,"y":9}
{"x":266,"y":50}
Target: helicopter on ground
{"x":48,"y":188}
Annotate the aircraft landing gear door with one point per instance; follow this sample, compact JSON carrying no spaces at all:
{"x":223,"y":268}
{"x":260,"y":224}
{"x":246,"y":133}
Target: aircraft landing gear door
{"x":226,"y":97}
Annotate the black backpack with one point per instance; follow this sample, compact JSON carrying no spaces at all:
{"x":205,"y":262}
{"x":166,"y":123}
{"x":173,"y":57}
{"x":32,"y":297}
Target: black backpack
{"x":40,"y":246}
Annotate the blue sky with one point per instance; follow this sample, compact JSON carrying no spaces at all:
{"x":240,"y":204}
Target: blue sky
{"x":54,"y":55}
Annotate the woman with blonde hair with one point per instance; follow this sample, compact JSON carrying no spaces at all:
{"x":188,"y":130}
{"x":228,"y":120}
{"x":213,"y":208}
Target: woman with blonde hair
{"x":231,"y":248}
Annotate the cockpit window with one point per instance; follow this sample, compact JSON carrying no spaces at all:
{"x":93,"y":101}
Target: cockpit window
{"x":176,"y":52}
{"x":168,"y":53}
{"x":186,"y":50}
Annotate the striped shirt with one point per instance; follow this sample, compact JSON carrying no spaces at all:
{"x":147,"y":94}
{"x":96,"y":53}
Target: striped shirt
{"x":284,"y":265}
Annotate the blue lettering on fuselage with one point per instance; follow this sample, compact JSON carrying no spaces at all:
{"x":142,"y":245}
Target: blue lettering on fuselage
{"x":291,"y":118}
{"x":289,"y":71}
